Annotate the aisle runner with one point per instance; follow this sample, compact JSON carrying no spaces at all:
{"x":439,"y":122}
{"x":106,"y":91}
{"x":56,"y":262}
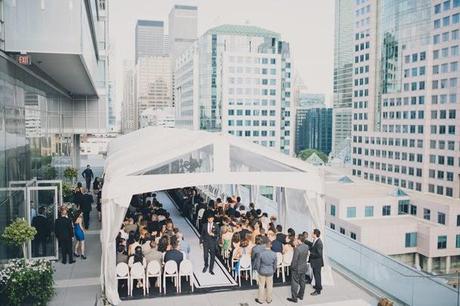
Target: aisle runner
{"x":221,"y":277}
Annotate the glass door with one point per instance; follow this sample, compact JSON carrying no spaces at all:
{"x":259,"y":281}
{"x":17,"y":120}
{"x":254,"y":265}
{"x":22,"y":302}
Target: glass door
{"x":42,"y":211}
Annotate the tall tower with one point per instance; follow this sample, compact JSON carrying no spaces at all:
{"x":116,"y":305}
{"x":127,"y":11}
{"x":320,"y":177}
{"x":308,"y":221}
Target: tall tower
{"x":149,"y":38}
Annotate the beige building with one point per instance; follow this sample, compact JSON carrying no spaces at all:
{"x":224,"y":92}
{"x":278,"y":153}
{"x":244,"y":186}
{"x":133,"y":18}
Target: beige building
{"x":419,"y":229}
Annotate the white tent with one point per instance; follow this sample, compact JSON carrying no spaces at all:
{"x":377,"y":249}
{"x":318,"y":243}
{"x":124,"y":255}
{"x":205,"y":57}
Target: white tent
{"x":157,"y":158}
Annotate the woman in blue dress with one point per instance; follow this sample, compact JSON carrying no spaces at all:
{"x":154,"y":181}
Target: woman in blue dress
{"x":79,"y":236}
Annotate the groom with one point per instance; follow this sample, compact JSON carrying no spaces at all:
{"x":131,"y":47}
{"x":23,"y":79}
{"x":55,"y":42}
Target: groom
{"x":209,"y":237}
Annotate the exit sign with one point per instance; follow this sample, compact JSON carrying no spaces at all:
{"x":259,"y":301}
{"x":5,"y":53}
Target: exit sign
{"x":24,"y":59}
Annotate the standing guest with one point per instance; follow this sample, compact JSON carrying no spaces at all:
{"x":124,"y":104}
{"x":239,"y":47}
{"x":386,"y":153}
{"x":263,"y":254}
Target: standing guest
{"x":79,"y":236}
{"x":64,"y":233}
{"x":86,"y":207}
{"x":208,"y":239}
{"x":88,"y":176}
{"x":265,"y":265}
{"x":96,"y":185}
{"x":299,"y":268}
{"x":174,"y":253}
{"x":78,"y":197}
{"x":316,"y":260}
{"x":257,"y":249}
{"x":43,"y":227}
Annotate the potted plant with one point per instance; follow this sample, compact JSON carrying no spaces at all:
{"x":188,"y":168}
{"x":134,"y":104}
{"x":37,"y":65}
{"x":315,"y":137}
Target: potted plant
{"x":70,"y":174}
{"x":18,"y":233}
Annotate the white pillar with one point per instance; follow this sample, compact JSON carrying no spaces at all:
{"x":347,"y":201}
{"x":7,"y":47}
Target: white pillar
{"x":447,"y":264}
{"x":429,"y":266}
{"x":416,"y":261}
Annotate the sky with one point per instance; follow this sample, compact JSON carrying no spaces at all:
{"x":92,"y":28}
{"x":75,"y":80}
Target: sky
{"x":308,"y":25}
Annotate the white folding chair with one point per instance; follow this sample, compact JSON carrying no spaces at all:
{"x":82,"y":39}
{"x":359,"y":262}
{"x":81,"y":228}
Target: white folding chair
{"x":123,"y":273}
{"x":153,"y":270}
{"x":245,"y":265}
{"x":137,"y":272}
{"x":185,"y":269}
{"x":279,"y":265}
{"x":170,"y":270}
{"x":199,"y":217}
{"x":287,"y":260}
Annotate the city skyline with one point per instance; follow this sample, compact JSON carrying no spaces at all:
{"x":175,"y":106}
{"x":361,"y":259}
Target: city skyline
{"x":315,"y":69}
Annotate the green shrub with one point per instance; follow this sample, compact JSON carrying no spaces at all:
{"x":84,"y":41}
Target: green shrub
{"x":70,"y":173}
{"x":18,"y":233}
{"x":26,"y":282}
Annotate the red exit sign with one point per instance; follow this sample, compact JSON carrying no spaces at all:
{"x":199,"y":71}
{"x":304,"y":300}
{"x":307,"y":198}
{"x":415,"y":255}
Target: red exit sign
{"x":24,"y":59}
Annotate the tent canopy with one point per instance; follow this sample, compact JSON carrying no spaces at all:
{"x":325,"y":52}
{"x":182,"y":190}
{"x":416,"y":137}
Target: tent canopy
{"x":156,"y":158}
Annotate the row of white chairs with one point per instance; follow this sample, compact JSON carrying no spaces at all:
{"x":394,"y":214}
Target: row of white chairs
{"x":170,"y":270}
{"x":283,"y":263}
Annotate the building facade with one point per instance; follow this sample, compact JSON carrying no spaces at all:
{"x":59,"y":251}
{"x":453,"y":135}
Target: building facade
{"x":237,"y":79}
{"x":52,"y":90}
{"x":164,"y":117}
{"x":149,"y":39}
{"x":405,"y":95}
{"x":182,"y":28}
{"x":418,"y":229}
{"x":343,"y":79}
{"x":153,"y":83}
{"x":313,"y":129}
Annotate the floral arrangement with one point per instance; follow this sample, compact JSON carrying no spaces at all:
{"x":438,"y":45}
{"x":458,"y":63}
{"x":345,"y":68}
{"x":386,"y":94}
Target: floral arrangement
{"x":18,"y":233}
{"x":26,"y":282}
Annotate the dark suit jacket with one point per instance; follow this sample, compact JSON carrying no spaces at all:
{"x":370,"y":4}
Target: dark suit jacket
{"x":87,"y":201}
{"x":316,"y":254}
{"x":299,"y":259}
{"x":63,"y":228}
{"x":206,"y":238}
{"x":42,"y":226}
{"x":175,"y":255}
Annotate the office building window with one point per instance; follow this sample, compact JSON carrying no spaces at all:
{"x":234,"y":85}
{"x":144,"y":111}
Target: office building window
{"x":458,"y":220}
{"x":413,"y":210}
{"x":403,"y":207}
{"x":411,"y":240}
{"x":333,"y":226}
{"x":353,"y":235}
{"x":386,"y":210}
{"x":457,"y":241}
{"x":342,"y":231}
{"x":332,"y":210}
{"x":351,"y":212}
{"x":441,"y":218}
{"x":369,"y":211}
{"x":442,"y":242}
{"x":426,"y":214}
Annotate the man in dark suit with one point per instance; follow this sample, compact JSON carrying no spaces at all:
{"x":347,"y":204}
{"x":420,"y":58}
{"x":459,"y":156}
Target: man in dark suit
{"x":86,"y":207}
{"x":209,"y":237}
{"x":299,"y":267}
{"x":64,"y":233}
{"x":174,"y":253}
{"x":88,"y":175}
{"x":316,"y":260}
{"x":43,"y":227}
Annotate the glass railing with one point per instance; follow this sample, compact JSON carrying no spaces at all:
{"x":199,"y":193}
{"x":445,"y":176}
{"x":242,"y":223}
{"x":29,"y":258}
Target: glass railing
{"x":395,"y":279}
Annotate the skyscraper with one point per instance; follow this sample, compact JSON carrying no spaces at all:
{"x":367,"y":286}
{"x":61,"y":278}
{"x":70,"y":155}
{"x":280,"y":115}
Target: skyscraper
{"x":129,"y":119}
{"x":313,"y":129}
{"x":237,"y":79}
{"x":343,"y":78}
{"x":405,"y":94}
{"x":182,"y":28}
{"x":149,"y":38}
{"x":153,"y":83}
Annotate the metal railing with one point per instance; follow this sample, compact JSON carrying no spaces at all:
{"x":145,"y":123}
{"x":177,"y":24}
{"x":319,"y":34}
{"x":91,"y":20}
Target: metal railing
{"x":395,"y":279}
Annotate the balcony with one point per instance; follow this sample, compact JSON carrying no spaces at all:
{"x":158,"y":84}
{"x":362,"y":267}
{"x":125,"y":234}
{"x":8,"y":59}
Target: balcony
{"x":61,"y":38}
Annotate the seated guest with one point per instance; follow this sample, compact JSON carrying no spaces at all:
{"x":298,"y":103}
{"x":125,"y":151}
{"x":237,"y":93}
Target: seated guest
{"x":152,"y":254}
{"x":184,"y":246}
{"x":153,"y":225}
{"x":163,"y":244}
{"x":279,"y":234}
{"x":174,"y":253}
{"x":130,"y":226}
{"x":277,"y":246}
{"x":122,"y":256}
{"x":137,"y":257}
{"x":133,"y":242}
{"x":265,"y":221}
